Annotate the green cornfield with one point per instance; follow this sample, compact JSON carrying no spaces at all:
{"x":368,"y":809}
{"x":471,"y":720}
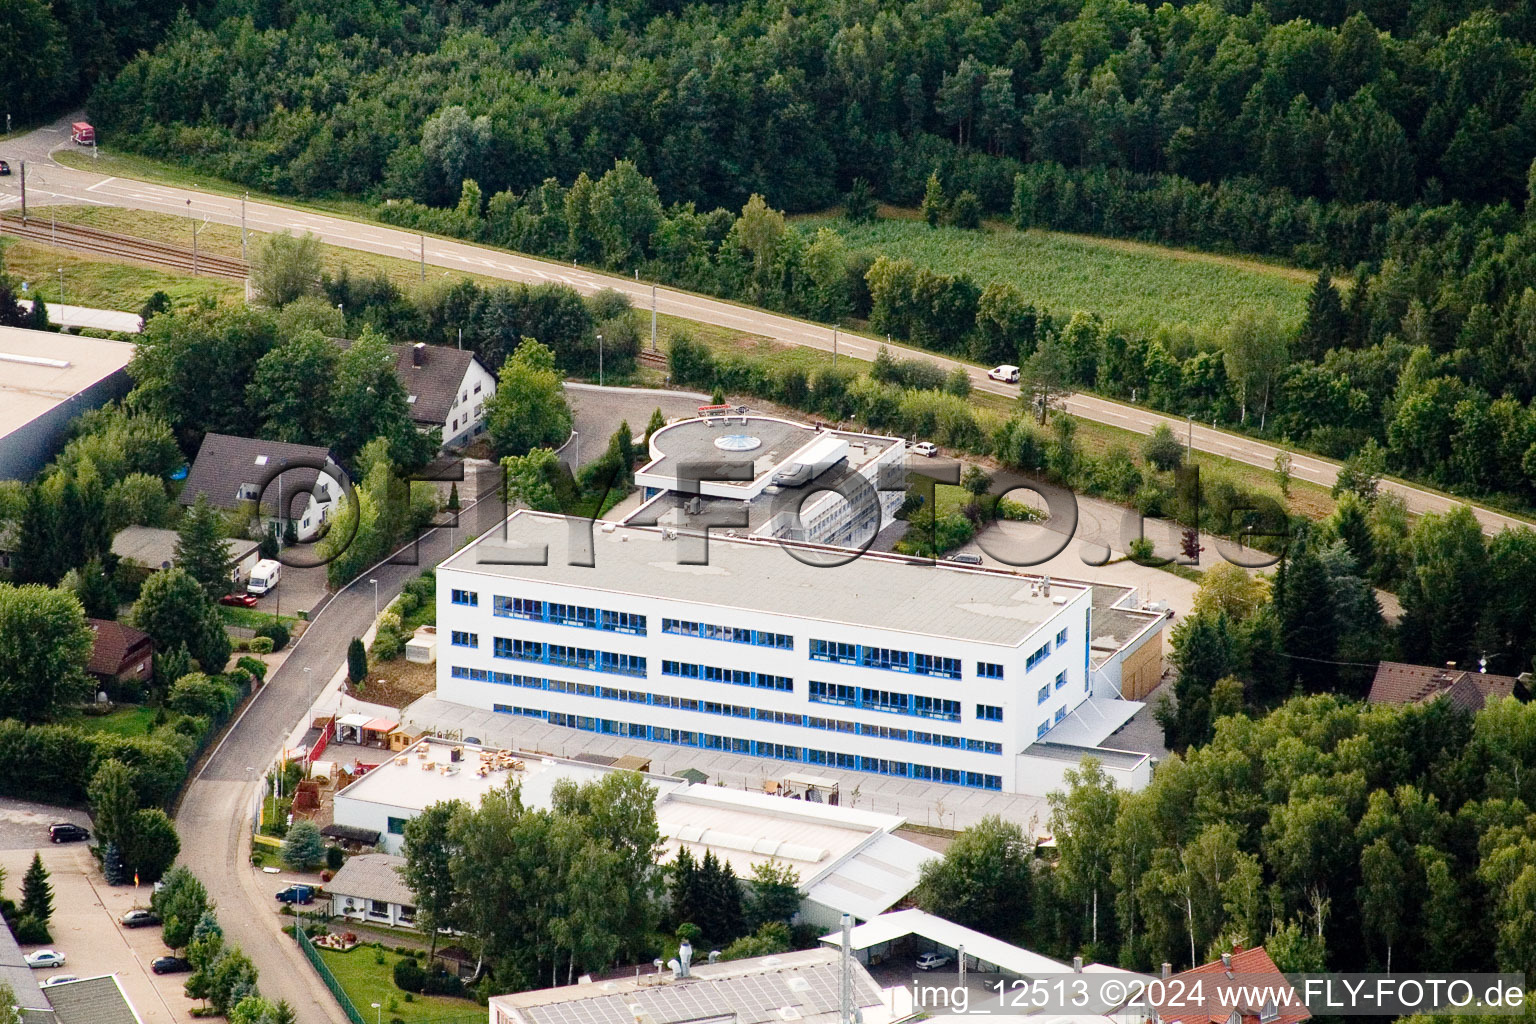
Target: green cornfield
{"x":1146,"y":289}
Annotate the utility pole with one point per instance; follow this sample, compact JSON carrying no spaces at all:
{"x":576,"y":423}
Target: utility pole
{"x":23,"y":191}
{"x":243,"y":256}
{"x":196,"y":228}
{"x":653,"y":318}
{"x":599,"y":360}
{"x":61,"y":286}
{"x":423,"y":258}
{"x":834,"y":346}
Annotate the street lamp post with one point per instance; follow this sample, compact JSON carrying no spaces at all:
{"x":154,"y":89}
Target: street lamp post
{"x":375,"y":599}
{"x":599,"y":359}
{"x":308,"y":692}
{"x":1189,"y":447}
{"x":61,"y":286}
{"x":243,"y":197}
{"x":380,"y":1008}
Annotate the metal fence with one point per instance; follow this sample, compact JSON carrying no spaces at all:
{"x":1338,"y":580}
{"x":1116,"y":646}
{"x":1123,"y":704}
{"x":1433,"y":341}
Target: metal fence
{"x":313,"y":954}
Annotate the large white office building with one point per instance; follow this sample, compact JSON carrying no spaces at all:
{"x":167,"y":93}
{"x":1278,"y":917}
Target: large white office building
{"x":883,"y":664}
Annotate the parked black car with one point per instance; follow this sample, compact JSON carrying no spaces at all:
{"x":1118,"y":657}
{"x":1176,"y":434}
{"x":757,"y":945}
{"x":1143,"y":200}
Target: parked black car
{"x":169,"y":965}
{"x":139,"y":919}
{"x":67,"y":832}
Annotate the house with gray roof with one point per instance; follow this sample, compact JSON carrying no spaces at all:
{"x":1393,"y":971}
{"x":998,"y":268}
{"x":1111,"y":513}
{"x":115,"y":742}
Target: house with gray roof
{"x":369,"y":887}
{"x":278,"y":482}
{"x":447,"y":389}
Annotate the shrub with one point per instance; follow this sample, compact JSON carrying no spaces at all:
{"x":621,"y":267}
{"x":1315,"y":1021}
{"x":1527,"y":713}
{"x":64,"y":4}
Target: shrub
{"x":440,"y":983}
{"x":255,"y":666}
{"x":31,"y":931}
{"x":409,"y":976}
{"x":335,"y":857}
{"x":1162,"y":449}
{"x":276,"y":631}
{"x":261,"y":645}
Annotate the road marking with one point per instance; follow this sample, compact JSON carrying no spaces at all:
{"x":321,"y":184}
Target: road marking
{"x":99,"y":184}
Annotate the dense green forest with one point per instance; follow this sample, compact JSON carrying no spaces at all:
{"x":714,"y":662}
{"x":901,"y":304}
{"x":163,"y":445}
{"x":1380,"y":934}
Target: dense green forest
{"x":1357,"y":103}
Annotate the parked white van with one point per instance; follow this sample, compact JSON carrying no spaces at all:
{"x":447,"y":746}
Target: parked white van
{"x":264,"y":576}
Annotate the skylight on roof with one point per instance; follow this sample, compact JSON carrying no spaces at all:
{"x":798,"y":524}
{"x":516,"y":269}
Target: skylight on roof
{"x":261,"y":460}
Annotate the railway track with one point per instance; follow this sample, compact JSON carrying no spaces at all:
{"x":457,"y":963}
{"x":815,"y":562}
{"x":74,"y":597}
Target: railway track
{"x":141,"y":250}
{"x":652,"y":358}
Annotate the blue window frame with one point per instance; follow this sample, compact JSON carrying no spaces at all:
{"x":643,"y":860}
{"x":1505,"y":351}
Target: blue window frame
{"x":463,"y":639}
{"x":1061,"y":714}
{"x":989,"y":713}
{"x":834,"y":693}
{"x":1045,"y":727}
{"x":1061,"y":639}
{"x":933,"y":665}
{"x":1037,"y":657}
{"x":465,"y":597}
{"x":1044,"y":694}
{"x":988,"y":670}
{"x":829,"y":650}
{"x":729,"y":634}
{"x":936,"y":707}
{"x":1061,"y":679}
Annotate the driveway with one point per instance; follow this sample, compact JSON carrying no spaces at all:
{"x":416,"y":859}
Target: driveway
{"x":85,"y":930}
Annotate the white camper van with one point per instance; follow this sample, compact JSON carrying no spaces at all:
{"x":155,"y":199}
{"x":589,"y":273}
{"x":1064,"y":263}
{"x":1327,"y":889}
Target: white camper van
{"x":264,"y":576}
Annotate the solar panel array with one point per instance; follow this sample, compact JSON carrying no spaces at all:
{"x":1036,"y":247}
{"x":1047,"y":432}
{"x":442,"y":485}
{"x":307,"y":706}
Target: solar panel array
{"x":751,"y":999}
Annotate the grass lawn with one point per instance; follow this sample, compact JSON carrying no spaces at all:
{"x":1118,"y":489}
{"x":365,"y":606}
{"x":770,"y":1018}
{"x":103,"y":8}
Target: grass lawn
{"x":91,"y":280}
{"x":250,"y":618}
{"x":131,"y":720}
{"x":367,"y":981}
{"x":1138,"y":286}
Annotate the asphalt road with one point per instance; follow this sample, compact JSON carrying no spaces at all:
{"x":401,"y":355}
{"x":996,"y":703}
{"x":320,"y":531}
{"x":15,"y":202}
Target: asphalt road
{"x":214,"y":818}
{"x":50,"y":182}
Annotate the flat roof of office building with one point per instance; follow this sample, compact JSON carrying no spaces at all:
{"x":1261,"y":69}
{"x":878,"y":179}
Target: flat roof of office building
{"x":40,"y":370}
{"x":748,"y":575}
{"x":762,"y":442}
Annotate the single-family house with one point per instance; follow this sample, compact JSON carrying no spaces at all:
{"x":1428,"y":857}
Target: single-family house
{"x":447,"y":389}
{"x":1225,"y":991}
{"x":121,"y":654}
{"x":281,"y":483}
{"x":369,"y":887}
{"x":1400,"y":683}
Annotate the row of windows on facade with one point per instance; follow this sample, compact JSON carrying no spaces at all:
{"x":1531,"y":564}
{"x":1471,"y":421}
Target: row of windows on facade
{"x":821,"y":650}
{"x":820,"y":692}
{"x":761,"y":748}
{"x":710,"y":707}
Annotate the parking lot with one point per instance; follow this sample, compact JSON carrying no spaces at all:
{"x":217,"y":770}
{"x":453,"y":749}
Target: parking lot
{"x":24,"y":825}
{"x":85,"y":928}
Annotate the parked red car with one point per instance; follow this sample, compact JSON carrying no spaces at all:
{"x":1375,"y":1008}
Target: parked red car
{"x":239,"y":600}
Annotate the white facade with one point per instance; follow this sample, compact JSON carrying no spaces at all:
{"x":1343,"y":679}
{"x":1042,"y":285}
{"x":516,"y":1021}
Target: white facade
{"x":310,"y":514}
{"x":933,"y":672}
{"x":465,"y":419}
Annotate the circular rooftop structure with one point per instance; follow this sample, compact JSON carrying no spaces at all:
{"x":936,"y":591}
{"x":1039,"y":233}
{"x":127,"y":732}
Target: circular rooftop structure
{"x":738,"y":443}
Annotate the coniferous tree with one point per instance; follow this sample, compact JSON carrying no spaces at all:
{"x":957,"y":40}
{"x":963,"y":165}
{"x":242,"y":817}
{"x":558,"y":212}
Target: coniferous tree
{"x":357,"y":660}
{"x":684,"y":888}
{"x":1325,"y":324}
{"x":36,"y":892}
{"x":200,"y":549}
